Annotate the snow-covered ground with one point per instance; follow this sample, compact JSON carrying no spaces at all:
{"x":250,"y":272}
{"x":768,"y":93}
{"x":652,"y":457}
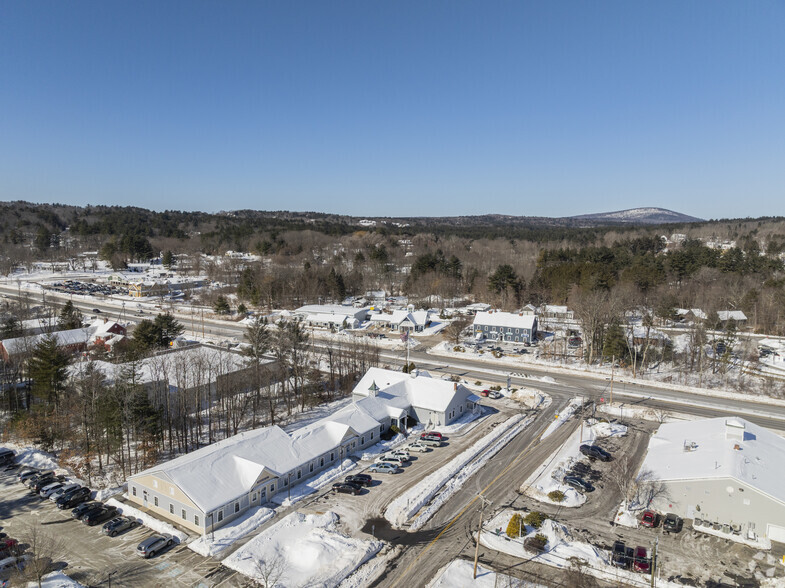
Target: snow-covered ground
{"x":382,"y":447}
{"x":564,"y":415}
{"x":559,"y":550}
{"x":373,"y":569}
{"x":56,"y":580}
{"x":459,"y":573}
{"x":302,"y":550}
{"x":300,"y":491}
{"x":147,"y":520}
{"x":406,"y":505}
{"x":545,"y":479}
{"x":628,"y":411}
{"x":215,"y":543}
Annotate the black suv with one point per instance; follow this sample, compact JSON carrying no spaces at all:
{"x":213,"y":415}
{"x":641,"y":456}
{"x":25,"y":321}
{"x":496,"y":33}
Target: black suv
{"x":71,"y":499}
{"x":672,"y":523}
{"x":595,"y":452}
{"x":345,"y":488}
{"x":84,"y":508}
{"x":359,"y":480}
{"x":99,"y":515}
{"x":619,"y":556}
{"x":578,"y":483}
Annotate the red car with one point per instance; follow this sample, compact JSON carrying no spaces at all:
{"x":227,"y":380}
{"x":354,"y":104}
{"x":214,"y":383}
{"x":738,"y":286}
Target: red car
{"x":640,"y":560}
{"x":485,"y":393}
{"x":650,"y":519}
{"x":432,"y":434}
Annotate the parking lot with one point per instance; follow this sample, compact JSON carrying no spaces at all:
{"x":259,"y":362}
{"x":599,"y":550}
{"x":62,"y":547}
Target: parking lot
{"x":87,"y":288}
{"x":97,"y":560}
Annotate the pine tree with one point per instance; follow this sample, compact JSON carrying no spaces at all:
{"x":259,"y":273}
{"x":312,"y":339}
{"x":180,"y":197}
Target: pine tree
{"x":70,"y":317}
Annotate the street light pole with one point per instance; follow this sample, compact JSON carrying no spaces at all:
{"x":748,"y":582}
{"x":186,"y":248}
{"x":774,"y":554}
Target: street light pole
{"x":479,"y":532}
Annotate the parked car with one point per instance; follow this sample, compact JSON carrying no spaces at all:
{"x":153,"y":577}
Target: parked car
{"x":346,"y":488}
{"x":6,"y":455}
{"x":30,"y":480}
{"x":84,"y":508}
{"x":494,"y":394}
{"x":74,"y":498}
{"x":118,"y":525}
{"x":152,"y":545}
{"x":99,"y":515}
{"x":41,"y":482}
{"x":383,"y":468}
{"x":26,"y":474}
{"x":672,"y":523}
{"x":390,"y":459}
{"x":650,"y":519}
{"x":640,"y":561}
{"x":418,"y":446}
{"x":11,"y":564}
{"x":400,"y":453}
{"x":359,"y":479}
{"x":8,"y":547}
{"x":64,"y":489}
{"x":97,"y":310}
{"x":619,"y":555}
{"x":485,"y":393}
{"x":49,"y":489}
{"x":578,"y":483}
{"x":595,"y":452}
{"x":433,"y":434}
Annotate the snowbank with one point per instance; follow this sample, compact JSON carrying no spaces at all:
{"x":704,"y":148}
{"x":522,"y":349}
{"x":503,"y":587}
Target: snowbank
{"x":459,"y":573}
{"x":147,"y":520}
{"x":562,"y":417}
{"x":410,"y":502}
{"x":55,"y":580}
{"x":382,"y":447}
{"x":224,"y":537}
{"x":302,"y":550}
{"x":107,"y":493}
{"x":33,"y":458}
{"x":455,"y":484}
{"x":300,"y":491}
{"x":372,"y":570}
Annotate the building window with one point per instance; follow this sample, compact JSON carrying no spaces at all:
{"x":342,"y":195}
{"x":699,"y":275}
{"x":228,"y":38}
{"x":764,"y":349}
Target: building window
{"x":321,"y":462}
{"x":381,"y":429}
{"x":362,"y":440}
{"x":461,"y":408}
{"x":155,"y":500}
{"x":133,"y":490}
{"x":236,"y":507}
{"x":272,"y":488}
{"x":196,"y":520}
{"x":310,"y":467}
{"x":299,"y":474}
{"x":155,"y":483}
{"x":286,"y":481}
{"x":253,"y":497}
{"x":332,"y":454}
{"x":183,"y":514}
{"x":371,"y":434}
{"x":171,"y":508}
{"x":171,"y":490}
{"x":220,"y":515}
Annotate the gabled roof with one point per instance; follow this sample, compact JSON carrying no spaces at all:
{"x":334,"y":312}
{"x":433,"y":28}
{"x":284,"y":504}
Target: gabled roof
{"x":728,"y":315}
{"x":23,"y":344}
{"x":505,"y":319}
{"x":400,"y":390}
{"x":703,"y":450}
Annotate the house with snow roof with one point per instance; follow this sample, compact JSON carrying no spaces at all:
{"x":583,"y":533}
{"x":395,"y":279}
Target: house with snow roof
{"x":505,"y":326}
{"x":413,"y":321}
{"x":211,"y":486}
{"x":736,"y":317}
{"x":331,"y":316}
{"x":72,"y":341}
{"x":723,"y":470}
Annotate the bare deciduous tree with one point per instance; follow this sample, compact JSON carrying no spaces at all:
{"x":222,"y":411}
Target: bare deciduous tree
{"x":46,"y":550}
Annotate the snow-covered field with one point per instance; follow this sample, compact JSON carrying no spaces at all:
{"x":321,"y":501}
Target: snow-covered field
{"x":300,"y":491}
{"x":55,"y":580}
{"x":147,"y":520}
{"x":544,"y":479}
{"x":459,"y":573}
{"x":559,"y":550}
{"x":371,"y":570}
{"x":627,"y":411}
{"x":302,"y":550}
{"x":406,"y":505}
{"x":224,"y":537}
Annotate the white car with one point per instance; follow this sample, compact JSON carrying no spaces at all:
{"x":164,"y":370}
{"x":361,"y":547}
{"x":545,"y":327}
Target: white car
{"x":384,"y":468}
{"x":393,"y":459}
{"x":419,"y":447}
{"x":403,"y":454}
{"x":60,"y":491}
{"x":46,"y":491}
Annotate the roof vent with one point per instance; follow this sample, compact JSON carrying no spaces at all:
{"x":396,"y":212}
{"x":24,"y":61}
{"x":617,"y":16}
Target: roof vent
{"x":690,"y":446}
{"x":734,"y":429}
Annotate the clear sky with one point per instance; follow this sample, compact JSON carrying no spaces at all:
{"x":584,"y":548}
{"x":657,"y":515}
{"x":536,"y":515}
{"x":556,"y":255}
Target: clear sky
{"x":396,"y":108}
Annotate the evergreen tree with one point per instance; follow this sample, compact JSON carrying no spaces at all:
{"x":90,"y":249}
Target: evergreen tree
{"x":168,"y":259}
{"x":221,"y":305}
{"x":70,"y":317}
{"x":47,"y":369}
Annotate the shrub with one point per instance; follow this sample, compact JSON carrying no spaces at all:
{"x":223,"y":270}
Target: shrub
{"x":458,"y":349}
{"x":395,"y":429}
{"x":534,"y":519}
{"x":478,"y":383}
{"x":515,"y":526}
{"x":497,"y":388}
{"x":498,"y":354}
{"x":536,"y":543}
{"x":556,"y":495}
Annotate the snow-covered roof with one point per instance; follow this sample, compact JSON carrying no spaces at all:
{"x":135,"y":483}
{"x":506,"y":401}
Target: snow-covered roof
{"x":705,"y":449}
{"x":479,"y":307}
{"x":555,"y":309}
{"x":338,"y":309}
{"x":23,"y":344}
{"x":40,"y":324}
{"x":505,"y":319}
{"x":401,"y":390}
{"x":332,"y":318}
{"x":417,"y":318}
{"x":731,"y":315}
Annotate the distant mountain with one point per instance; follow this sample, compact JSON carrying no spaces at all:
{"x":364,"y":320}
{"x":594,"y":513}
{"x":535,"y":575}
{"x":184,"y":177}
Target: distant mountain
{"x":639,"y":216}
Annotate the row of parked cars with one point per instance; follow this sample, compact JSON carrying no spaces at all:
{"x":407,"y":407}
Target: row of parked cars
{"x":65,"y":495}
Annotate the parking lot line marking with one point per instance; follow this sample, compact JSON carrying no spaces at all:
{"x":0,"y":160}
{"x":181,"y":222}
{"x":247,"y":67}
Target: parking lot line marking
{"x":525,"y":451}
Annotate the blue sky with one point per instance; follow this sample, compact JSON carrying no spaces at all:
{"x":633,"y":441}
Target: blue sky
{"x":396,"y":108}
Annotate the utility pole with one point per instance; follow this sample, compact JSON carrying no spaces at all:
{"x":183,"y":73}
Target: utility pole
{"x":479,"y":531}
{"x":654,"y":560}
{"x":581,"y":439}
{"x":613,"y":365}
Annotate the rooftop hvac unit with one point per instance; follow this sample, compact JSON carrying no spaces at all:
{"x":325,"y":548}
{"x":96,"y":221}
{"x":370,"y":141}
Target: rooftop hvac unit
{"x":690,"y":446}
